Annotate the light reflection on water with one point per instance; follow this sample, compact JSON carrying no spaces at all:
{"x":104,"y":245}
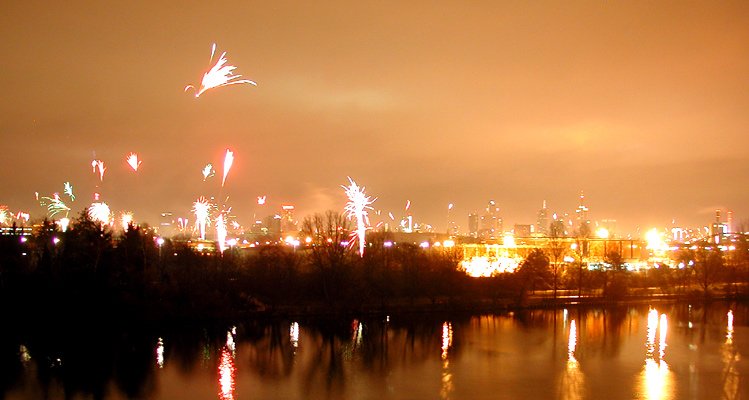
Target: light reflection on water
{"x":447,"y":378}
{"x":657,"y":379}
{"x":730,"y":358}
{"x":573,"y":379}
{"x":537,"y":354}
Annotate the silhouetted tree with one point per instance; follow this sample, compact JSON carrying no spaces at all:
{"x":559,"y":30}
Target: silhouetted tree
{"x":533,"y":272}
{"x":327,"y":256}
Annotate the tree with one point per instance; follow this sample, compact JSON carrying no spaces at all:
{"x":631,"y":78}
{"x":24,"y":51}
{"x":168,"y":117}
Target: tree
{"x":708,"y":267}
{"x":534,"y":271}
{"x":615,"y":282}
{"x":556,"y":249}
{"x":328,"y":257}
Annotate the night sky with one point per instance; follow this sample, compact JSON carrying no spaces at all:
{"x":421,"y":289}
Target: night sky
{"x":642,"y":105}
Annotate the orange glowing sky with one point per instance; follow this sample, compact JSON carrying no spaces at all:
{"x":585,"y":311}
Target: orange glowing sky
{"x":642,"y":105}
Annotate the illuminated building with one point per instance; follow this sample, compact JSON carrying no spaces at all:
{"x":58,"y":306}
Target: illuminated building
{"x":542,"y":222}
{"x":288,"y":224}
{"x":582,"y":223}
{"x":491,"y":222}
{"x":473,"y":225}
{"x":521,"y":230}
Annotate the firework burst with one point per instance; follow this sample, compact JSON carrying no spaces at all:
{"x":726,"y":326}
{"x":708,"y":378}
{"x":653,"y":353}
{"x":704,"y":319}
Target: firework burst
{"x":126,"y":219}
{"x":100,"y":212}
{"x":133,"y":161}
{"x":356,"y":208}
{"x":220,"y":74}
{"x":5,"y":215}
{"x":55,"y":205}
{"x":202,"y":210}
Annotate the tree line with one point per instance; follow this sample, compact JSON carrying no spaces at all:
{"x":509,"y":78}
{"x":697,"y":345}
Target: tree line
{"x":93,"y":270}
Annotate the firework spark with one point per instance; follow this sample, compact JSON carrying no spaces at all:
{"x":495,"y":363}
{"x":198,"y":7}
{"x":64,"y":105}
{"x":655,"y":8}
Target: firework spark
{"x":201,"y":209}
{"x":132,"y":160}
{"x":357,"y":207}
{"x":220,"y":74}
{"x":69,"y":191}
{"x":228,"y":161}
{"x":208,"y":171}
{"x":100,"y":212}
{"x":261,"y":200}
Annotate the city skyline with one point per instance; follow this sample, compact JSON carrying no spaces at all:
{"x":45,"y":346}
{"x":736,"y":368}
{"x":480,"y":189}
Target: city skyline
{"x":641,"y":106}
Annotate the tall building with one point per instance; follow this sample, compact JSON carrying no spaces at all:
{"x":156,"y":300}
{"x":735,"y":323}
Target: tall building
{"x":542,"y":222}
{"x":473,"y":225}
{"x":582,"y":223}
{"x":491,"y":222}
{"x":288,"y":223}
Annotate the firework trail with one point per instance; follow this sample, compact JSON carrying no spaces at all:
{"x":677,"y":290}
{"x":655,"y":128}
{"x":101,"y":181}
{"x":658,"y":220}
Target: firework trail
{"x":69,"y":191}
{"x":408,"y":204}
{"x":100,"y":212}
{"x":201,"y":209}
{"x":132,"y":160}
{"x":219,"y":75}
{"x":392,"y":217}
{"x":93,"y":166}
{"x":357,"y":207}
{"x":23,"y":216}
{"x":221,"y":232}
{"x":228,"y":161}
{"x":100,"y":165}
{"x":208,"y":172}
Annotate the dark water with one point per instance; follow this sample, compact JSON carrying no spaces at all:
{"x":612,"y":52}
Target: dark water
{"x":674,"y":351}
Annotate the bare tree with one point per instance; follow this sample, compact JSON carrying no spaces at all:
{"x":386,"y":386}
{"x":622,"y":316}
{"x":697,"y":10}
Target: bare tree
{"x":328,"y":255}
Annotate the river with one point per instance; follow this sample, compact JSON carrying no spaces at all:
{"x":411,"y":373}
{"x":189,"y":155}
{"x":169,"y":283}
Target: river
{"x":659,"y":351}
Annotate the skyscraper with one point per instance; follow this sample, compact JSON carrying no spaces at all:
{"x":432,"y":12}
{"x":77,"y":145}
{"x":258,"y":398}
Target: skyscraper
{"x":542,"y":222}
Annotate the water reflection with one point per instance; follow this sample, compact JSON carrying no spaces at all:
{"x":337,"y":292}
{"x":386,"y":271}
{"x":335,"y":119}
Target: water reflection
{"x":226,"y":375}
{"x":730,"y":358}
{"x":656,"y":378}
{"x":585,"y":353}
{"x":446,"y":388}
{"x":160,"y":353}
{"x":294,"y":335}
{"x":573,"y":379}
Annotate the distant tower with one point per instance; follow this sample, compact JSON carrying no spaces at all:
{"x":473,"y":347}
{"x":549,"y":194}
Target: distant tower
{"x":542,"y":222}
{"x":729,"y":222}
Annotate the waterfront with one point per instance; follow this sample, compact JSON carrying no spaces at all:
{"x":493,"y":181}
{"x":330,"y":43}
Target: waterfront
{"x":664,"y":351}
